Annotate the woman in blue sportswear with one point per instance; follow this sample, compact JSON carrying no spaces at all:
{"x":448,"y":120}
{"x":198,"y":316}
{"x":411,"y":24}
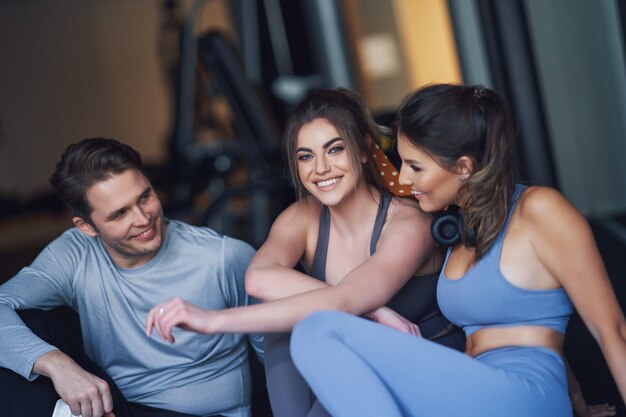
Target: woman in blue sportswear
{"x":524,"y":259}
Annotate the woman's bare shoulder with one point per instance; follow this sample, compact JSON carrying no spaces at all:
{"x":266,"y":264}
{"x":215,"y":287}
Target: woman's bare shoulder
{"x":299,"y":215}
{"x":540,"y":203}
{"x":410,"y":207}
{"x":407,"y":210}
{"x":548,"y":216}
{"x":306,"y":207}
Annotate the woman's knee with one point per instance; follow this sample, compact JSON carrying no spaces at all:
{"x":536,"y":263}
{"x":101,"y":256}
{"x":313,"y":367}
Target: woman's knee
{"x":317,"y":323}
{"x":313,"y":328}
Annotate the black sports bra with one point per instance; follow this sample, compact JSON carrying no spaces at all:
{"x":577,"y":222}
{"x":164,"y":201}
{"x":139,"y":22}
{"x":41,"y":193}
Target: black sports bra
{"x":416,"y":301}
{"x":318,"y":268}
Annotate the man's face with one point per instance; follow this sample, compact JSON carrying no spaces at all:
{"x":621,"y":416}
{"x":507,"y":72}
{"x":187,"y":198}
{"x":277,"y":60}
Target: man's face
{"x":128,"y":218}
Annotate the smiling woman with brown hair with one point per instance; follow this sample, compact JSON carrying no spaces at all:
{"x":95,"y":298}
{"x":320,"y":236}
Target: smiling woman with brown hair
{"x":358,"y":244}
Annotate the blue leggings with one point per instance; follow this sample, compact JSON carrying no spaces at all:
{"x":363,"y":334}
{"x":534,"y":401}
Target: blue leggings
{"x":360,"y":368}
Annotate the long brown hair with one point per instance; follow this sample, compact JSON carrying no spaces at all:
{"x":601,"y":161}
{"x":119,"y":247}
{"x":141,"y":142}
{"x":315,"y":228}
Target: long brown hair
{"x":347,"y":112}
{"x":451,"y":121}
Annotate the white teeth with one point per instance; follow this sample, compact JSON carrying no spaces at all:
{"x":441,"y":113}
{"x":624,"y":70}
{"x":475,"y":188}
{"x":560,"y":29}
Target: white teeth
{"x":416,"y":192}
{"x":327,"y":182}
{"x":143,"y":234}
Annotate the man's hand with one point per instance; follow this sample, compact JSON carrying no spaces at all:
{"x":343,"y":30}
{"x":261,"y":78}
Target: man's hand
{"x":85,"y":394}
{"x":388,"y":317}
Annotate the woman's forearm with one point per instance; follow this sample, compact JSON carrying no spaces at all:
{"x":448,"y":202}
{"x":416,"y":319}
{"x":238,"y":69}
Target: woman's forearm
{"x":282,"y":315}
{"x":614,"y":349}
{"x":275,"y":282}
{"x":274,"y":316}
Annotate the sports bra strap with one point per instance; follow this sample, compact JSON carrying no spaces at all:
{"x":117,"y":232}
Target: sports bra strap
{"x":381,"y":215}
{"x":318,"y":268}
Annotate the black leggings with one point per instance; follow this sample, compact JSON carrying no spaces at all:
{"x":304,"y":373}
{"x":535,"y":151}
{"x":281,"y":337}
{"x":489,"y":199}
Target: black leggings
{"x":290,"y":395}
{"x":19,"y":397}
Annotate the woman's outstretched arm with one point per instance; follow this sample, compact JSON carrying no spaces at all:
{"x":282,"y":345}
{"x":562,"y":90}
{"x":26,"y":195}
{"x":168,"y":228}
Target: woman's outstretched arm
{"x":367,"y":287}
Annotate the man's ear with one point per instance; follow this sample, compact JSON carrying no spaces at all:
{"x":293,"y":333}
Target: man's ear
{"x":84,"y":226}
{"x":464,"y":167}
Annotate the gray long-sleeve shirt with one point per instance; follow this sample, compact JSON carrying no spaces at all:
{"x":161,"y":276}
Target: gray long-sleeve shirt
{"x":199,"y":374}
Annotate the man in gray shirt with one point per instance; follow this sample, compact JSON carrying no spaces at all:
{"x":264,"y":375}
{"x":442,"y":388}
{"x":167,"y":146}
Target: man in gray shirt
{"x":122,"y":258}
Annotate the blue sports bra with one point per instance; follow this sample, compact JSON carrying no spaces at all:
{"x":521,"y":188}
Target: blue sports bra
{"x":483,"y":297}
